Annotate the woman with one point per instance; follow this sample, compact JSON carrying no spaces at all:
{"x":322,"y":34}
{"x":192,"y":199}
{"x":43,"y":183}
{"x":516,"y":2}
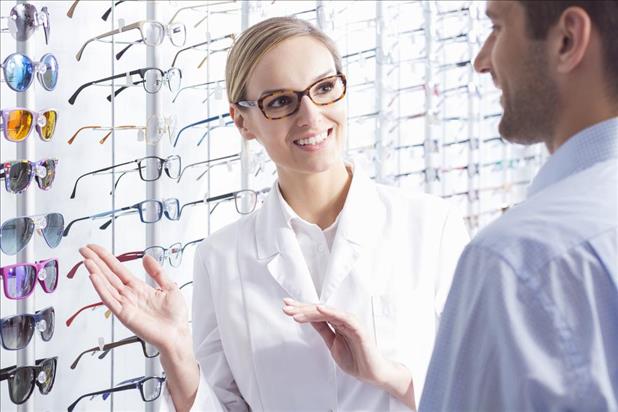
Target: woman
{"x":328,"y":297}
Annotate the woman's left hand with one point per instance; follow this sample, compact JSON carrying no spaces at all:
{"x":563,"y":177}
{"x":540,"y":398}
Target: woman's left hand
{"x":349,"y":345}
{"x":353,"y":350}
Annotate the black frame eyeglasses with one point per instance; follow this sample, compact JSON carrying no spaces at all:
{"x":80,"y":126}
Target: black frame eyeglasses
{"x":283,"y":103}
{"x":149,"y":388}
{"x":150,"y":168}
{"x":148,"y":350}
{"x":152,"y":78}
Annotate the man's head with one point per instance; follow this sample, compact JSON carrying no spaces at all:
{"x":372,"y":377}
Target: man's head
{"x":548,"y":57}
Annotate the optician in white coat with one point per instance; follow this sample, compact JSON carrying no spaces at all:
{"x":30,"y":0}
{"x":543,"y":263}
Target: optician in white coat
{"x":391,"y":265}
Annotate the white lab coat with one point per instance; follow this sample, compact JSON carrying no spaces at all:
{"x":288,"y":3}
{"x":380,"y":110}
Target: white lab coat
{"x":392,"y":262}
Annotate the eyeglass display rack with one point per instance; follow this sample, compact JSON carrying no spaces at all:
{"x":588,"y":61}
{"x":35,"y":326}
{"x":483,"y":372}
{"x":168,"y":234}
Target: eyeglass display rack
{"x":419,"y":118}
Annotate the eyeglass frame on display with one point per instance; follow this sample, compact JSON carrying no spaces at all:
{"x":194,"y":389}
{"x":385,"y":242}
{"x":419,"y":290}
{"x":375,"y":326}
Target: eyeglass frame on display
{"x":141,"y":72}
{"x":162,"y":165}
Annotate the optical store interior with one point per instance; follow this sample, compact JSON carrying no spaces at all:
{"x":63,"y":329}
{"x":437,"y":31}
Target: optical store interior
{"x":116,"y":131}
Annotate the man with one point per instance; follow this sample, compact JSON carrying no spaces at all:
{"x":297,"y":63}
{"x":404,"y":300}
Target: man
{"x":531,"y":321}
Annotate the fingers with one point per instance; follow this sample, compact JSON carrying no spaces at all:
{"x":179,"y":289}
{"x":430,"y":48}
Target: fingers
{"x":310,"y":313}
{"x":325,"y":332}
{"x":109,"y":265}
{"x":101,"y":285}
{"x":155,"y":271}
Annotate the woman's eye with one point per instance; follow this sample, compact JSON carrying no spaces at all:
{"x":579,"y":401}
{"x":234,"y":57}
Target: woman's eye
{"x":326,"y":87}
{"x":279,"y":102}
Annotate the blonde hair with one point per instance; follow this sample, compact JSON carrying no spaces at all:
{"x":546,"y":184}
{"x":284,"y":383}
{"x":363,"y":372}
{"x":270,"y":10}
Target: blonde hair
{"x":257,"y":40}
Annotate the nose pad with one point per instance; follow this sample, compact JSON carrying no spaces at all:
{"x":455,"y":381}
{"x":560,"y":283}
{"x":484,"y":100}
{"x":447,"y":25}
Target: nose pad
{"x":41,"y":121}
{"x":40,"y":171}
{"x":42,"y":275}
{"x":41,"y":68}
{"x":41,"y":325}
{"x":41,"y":377}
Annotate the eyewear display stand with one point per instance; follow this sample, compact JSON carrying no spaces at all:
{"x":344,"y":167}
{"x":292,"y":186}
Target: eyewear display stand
{"x":153,"y":108}
{"x":25,"y":203}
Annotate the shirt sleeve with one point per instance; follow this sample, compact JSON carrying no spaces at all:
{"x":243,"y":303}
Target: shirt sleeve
{"x":217,"y":390}
{"x":453,"y":240}
{"x":507,"y":341}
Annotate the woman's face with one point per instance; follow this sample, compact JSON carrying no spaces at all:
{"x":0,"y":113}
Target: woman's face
{"x":310,"y":140}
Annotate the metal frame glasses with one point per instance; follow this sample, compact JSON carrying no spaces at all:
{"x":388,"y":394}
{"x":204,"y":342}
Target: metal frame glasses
{"x":156,"y":127}
{"x":279,"y":104}
{"x":152,"y":79}
{"x":150,"y":168}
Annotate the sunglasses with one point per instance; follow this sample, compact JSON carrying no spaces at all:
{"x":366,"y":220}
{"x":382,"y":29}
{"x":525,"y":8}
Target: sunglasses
{"x":17,"y":123}
{"x":19,"y":279}
{"x":16,"y":233}
{"x":18,"y":174}
{"x":149,"y":388}
{"x":148,"y":350}
{"x":22,"y":379}
{"x":19,"y":71}
{"x":17,"y":331}
{"x":24,"y":19}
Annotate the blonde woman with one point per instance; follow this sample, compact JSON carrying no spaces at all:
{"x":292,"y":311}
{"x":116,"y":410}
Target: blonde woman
{"x":328,"y":297}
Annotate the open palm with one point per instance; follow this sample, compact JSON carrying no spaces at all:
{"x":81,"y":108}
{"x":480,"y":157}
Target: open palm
{"x":153,"y":314}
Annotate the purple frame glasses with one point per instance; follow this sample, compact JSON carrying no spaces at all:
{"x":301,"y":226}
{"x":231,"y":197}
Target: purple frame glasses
{"x":19,"y":279}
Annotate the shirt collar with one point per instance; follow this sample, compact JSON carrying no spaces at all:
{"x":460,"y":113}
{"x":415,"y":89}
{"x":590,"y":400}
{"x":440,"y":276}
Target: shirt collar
{"x":592,"y":145}
{"x":289,"y":215}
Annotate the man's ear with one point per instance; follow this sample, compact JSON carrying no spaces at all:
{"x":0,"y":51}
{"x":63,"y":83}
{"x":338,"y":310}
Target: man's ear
{"x":572,"y":32}
{"x":240,"y":120}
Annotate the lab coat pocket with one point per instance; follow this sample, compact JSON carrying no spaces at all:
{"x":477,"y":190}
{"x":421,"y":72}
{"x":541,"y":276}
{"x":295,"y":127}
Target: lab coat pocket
{"x":384,"y":312}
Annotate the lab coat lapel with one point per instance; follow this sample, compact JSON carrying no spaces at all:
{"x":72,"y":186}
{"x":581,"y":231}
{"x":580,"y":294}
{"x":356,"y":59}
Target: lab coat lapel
{"x":278,"y":249}
{"x":357,"y":232}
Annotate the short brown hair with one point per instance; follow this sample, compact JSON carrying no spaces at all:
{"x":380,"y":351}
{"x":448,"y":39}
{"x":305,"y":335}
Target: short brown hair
{"x":258,"y":39}
{"x":542,"y":15}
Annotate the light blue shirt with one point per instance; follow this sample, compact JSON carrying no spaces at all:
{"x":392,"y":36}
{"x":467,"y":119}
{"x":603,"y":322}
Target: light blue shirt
{"x":531,"y":321}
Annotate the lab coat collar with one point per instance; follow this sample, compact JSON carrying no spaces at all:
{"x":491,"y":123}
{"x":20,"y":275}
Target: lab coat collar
{"x":276,"y":243}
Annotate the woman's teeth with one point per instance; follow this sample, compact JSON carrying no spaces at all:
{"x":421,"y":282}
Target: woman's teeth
{"x":313,"y":140}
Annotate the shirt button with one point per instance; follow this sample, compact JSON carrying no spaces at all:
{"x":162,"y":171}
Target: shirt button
{"x":321,"y":248}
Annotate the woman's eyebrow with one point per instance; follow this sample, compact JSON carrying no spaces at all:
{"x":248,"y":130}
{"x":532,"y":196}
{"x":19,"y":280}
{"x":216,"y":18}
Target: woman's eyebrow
{"x":315,"y":79}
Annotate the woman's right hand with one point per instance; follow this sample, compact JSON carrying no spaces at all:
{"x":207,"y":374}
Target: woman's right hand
{"x":157,"y":315}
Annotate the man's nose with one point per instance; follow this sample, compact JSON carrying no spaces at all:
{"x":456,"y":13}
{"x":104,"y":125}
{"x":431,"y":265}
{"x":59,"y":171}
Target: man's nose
{"x":482,"y":62}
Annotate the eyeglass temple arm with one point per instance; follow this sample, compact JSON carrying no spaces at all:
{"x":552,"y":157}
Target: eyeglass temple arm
{"x":72,"y":9}
{"x":193,"y":242}
{"x":98,"y":171}
{"x":72,"y":139}
{"x":70,"y":320}
{"x":118,"y":389}
{"x":208,"y":120}
{"x":193,"y":46}
{"x":123,"y":51}
{"x":68,"y":227}
{"x":109,"y":11}
{"x":117,"y":76}
{"x":109,"y":222}
{"x":107,"y":348}
{"x":205,"y":135}
{"x":122,"y":29}
{"x":125,"y":257}
{"x":208,"y":162}
{"x":121,"y":89}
